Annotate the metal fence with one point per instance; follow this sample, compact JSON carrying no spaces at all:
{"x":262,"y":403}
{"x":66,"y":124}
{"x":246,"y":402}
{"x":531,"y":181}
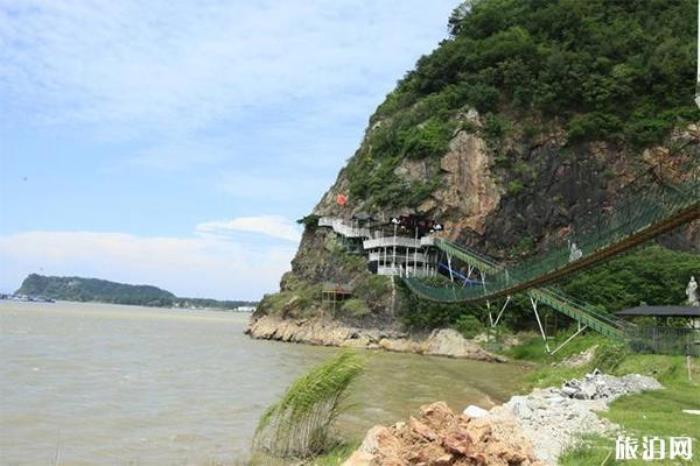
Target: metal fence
{"x":665,"y":340}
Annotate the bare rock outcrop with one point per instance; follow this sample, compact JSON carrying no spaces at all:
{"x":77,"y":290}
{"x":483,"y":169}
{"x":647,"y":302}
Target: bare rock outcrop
{"x":327,"y":332}
{"x":469,"y":193}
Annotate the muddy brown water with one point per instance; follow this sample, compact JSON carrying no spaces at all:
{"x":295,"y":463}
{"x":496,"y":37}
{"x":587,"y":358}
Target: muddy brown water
{"x":95,"y":384}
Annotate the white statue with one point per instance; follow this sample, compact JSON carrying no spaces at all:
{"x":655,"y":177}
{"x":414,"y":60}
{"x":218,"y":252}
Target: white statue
{"x":691,"y":292}
{"x":574,"y":252}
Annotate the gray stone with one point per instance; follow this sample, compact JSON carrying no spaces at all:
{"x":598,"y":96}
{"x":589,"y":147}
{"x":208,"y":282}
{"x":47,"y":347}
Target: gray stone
{"x":475,"y":411}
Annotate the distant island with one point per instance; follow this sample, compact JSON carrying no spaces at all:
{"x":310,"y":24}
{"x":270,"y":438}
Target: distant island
{"x":46,"y":288}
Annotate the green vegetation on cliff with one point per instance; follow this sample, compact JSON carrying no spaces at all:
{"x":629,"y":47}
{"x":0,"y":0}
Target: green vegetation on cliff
{"x":96,"y":290}
{"x":617,"y":71}
{"x":530,"y":116}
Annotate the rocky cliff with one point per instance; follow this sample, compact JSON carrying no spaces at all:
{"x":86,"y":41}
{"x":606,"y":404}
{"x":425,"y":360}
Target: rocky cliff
{"x":488,"y":137}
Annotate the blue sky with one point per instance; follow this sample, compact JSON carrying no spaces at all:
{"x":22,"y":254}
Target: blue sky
{"x":175,"y":143}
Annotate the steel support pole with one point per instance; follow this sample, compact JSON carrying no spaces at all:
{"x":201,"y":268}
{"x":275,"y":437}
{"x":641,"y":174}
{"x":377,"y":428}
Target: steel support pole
{"x":539,"y":323}
{"x":580,"y":329}
{"x":500,"y":313}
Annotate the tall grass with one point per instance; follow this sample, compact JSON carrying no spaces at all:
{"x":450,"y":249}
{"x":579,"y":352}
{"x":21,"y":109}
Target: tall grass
{"x":299,"y":424}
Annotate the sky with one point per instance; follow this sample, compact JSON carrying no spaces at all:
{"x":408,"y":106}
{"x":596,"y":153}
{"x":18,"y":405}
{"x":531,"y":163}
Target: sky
{"x":176,"y":143}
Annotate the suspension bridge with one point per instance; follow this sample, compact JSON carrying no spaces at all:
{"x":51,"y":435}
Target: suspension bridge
{"x":644,"y":213}
{"x":637,"y":219}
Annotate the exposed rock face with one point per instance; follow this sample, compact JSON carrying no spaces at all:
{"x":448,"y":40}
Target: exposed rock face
{"x":469,"y":193}
{"x":508,"y":199}
{"x":440,"y":437}
{"x":328,"y":332}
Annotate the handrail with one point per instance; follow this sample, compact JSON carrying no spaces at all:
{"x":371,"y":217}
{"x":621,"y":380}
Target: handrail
{"x":638,"y":226}
{"x":658,"y":211}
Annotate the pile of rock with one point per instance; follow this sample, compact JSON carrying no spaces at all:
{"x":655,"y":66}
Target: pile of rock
{"x":527,"y":430}
{"x":440,"y":437}
{"x":553,"y":418}
{"x":597,"y":385}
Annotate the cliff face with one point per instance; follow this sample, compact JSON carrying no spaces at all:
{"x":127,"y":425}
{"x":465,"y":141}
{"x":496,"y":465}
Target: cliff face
{"x":486,"y":137}
{"x":483,"y":205}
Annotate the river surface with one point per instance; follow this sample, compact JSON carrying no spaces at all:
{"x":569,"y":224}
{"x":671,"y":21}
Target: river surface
{"x":95,"y":384}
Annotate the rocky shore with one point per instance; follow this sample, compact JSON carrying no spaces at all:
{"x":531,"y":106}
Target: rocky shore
{"x":326,"y":332}
{"x":527,"y":430}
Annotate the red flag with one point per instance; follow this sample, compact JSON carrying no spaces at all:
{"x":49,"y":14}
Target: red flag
{"x":341,"y":199}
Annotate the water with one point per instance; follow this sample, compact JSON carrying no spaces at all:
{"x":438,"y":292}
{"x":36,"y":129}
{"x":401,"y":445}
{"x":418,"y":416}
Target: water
{"x":110,"y":385}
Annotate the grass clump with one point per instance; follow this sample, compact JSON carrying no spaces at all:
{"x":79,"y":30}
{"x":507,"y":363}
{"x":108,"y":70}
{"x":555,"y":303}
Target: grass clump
{"x":355,"y":307}
{"x":609,"y":356}
{"x":336,"y":456}
{"x":299,"y":425}
{"x":469,"y":326}
{"x":653,"y":413}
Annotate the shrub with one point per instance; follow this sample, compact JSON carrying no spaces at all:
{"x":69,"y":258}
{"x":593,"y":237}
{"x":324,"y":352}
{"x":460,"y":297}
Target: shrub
{"x":468,"y":325}
{"x":609,"y":355}
{"x":515,"y":187}
{"x":373,"y":287}
{"x":355,"y":307}
{"x":299,"y":424}
{"x":495,"y":128}
{"x":429,"y":139}
{"x":594,"y":125}
{"x":483,"y":97}
{"x":655,"y":275}
{"x":310,"y":221}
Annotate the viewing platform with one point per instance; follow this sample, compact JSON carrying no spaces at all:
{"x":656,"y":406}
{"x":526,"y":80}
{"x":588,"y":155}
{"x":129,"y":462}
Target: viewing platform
{"x":340,"y":227}
{"x":394,"y":255}
{"x":401,"y":258}
{"x":391,"y":241}
{"x":399,"y":271}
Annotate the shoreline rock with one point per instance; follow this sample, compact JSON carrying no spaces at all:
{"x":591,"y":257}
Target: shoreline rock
{"x":325,"y":332}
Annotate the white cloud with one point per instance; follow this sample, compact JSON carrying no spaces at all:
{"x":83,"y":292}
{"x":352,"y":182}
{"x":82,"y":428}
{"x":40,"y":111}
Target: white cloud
{"x":270,"y":225}
{"x":182,"y":65}
{"x":200,"y":266}
{"x":274,"y":186}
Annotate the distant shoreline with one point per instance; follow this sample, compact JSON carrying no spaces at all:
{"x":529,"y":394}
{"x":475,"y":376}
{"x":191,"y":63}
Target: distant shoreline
{"x":41,"y":288}
{"x":12,"y":298}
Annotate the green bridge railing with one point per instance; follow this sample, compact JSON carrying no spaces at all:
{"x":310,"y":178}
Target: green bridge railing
{"x":650,"y":212}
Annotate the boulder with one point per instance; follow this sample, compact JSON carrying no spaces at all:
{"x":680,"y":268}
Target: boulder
{"x":475,"y":412}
